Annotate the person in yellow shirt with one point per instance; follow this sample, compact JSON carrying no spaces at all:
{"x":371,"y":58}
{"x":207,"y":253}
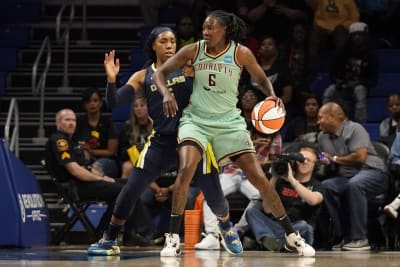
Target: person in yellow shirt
{"x":134,"y":135}
{"x":332,"y":19}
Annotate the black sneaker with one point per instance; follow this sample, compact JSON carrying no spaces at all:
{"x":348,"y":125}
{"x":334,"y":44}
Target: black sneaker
{"x":271,"y":243}
{"x":338,"y":246}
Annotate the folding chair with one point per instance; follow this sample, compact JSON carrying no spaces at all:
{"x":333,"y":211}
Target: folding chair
{"x":67,"y":191}
{"x":376,"y":218}
{"x":393,"y":225}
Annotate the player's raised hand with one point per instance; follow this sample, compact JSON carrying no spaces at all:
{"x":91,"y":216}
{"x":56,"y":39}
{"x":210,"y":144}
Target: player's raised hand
{"x":111,"y":66}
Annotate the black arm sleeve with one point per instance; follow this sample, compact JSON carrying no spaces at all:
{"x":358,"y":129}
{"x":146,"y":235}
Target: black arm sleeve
{"x":116,"y":98}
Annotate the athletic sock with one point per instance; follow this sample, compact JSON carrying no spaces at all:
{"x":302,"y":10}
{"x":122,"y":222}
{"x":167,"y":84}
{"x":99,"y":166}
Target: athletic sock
{"x":175,"y":223}
{"x":225,"y":225}
{"x":112,"y":231}
{"x":286,"y":224}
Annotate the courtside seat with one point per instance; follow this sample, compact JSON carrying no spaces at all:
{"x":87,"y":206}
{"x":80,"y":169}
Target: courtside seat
{"x":2,"y":82}
{"x":68,"y":194}
{"x":321,"y":81}
{"x":14,"y":35}
{"x":373,"y":130}
{"x":169,"y":14}
{"x":27,"y":11}
{"x":326,"y":60}
{"x":376,"y":109}
{"x":138,"y":58}
{"x":143,"y":33}
{"x":389,"y":60}
{"x":388,"y":83}
{"x":119,"y":125}
{"x":8,"y":57}
{"x":122,"y":113}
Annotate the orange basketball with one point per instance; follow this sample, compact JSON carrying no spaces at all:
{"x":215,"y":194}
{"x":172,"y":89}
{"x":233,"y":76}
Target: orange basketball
{"x":266,"y":117}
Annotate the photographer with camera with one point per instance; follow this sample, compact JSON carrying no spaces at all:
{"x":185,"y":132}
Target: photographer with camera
{"x":301,"y":196}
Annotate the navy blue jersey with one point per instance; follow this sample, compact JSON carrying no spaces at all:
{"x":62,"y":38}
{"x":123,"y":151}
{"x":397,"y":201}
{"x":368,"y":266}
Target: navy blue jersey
{"x":180,"y":86}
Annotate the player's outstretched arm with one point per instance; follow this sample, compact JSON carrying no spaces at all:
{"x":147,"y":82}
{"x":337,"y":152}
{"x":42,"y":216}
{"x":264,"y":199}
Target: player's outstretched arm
{"x":118,"y":97}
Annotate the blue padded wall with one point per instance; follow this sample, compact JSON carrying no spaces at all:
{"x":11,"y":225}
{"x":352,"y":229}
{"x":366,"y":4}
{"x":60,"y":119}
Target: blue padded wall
{"x":27,"y":220}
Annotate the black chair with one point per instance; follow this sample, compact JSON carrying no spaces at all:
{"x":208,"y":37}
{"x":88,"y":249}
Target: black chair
{"x":376,"y":203}
{"x":391,"y":225}
{"x":67,"y":191}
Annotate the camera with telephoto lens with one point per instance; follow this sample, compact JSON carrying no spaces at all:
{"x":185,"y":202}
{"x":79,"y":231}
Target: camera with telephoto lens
{"x":280,"y":166}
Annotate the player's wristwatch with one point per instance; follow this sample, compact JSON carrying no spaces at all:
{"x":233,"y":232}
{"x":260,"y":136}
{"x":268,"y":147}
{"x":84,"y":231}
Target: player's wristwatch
{"x":334,"y":158}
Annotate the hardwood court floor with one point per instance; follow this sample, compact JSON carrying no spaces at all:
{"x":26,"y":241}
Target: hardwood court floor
{"x":75,"y":256}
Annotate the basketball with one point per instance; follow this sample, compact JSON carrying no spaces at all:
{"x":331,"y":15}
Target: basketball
{"x":266,"y":117}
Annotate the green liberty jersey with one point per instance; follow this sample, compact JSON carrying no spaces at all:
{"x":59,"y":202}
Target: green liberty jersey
{"x":216,"y":80}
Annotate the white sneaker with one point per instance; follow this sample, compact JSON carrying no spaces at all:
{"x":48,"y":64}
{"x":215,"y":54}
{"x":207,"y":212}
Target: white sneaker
{"x":210,"y":242}
{"x":389,"y":210}
{"x":294,"y":241}
{"x":171,"y":246}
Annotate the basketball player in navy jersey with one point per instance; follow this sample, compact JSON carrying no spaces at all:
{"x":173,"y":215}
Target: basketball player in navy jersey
{"x":159,"y":153}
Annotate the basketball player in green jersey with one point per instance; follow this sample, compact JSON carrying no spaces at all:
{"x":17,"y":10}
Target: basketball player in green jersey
{"x":212,"y":117}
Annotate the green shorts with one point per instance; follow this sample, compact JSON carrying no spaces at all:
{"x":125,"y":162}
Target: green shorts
{"x":226,"y":133}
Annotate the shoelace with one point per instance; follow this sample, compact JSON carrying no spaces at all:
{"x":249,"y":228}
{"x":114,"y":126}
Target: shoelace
{"x":299,"y":242}
{"x":230,"y":233}
{"x":169,"y":241}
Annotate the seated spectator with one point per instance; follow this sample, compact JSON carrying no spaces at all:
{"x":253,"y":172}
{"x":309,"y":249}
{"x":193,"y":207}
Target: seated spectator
{"x":382,"y":18}
{"x":201,"y":9}
{"x":234,"y":180}
{"x":65,"y":158}
{"x":295,"y":53}
{"x":355,"y":71}
{"x":301,"y":195}
{"x":305,"y":126}
{"x":250,"y":40}
{"x":359,"y":174}
{"x":387,"y":127}
{"x":249,"y":97}
{"x":277,"y":71}
{"x":97,"y":134}
{"x":186,"y":33}
{"x":253,"y":44}
{"x":151,"y":8}
{"x":394,"y":164}
{"x":330,"y":27}
{"x":273,"y":17}
{"x":134,"y":135}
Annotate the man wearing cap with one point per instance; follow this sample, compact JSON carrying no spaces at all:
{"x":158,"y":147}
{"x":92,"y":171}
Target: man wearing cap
{"x":354,"y":72}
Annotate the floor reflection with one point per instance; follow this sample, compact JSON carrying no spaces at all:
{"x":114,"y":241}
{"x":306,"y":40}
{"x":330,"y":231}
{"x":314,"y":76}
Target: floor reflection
{"x":132,"y":257}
